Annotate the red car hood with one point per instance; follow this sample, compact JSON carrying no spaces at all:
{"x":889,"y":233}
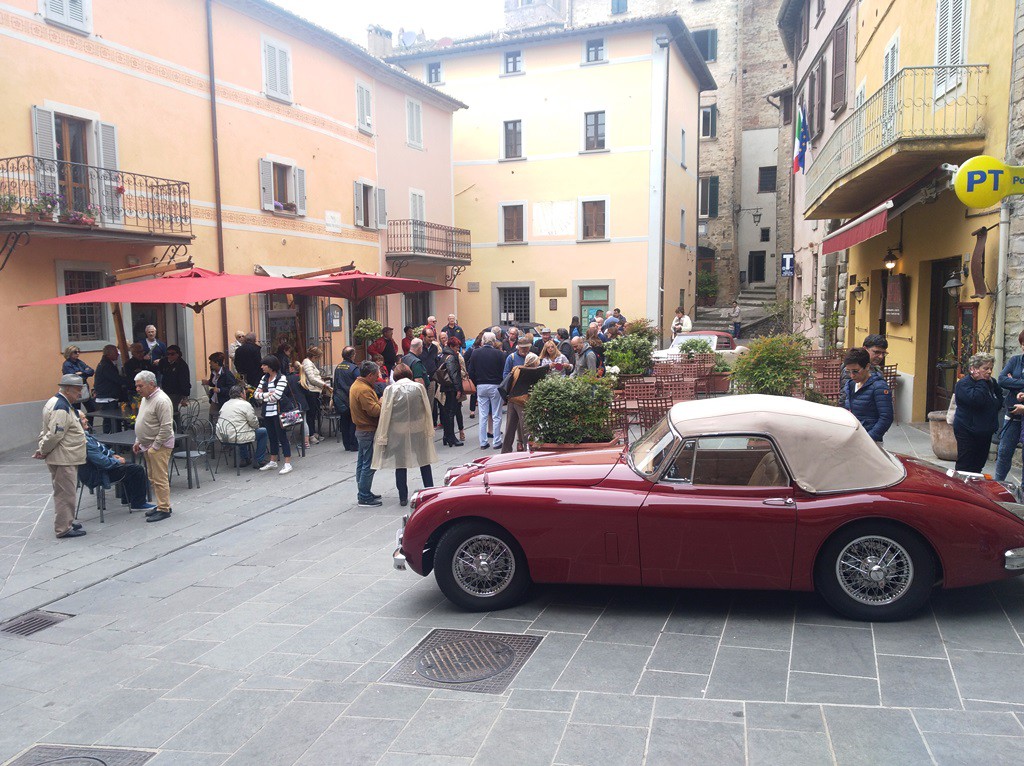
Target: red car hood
{"x":576,"y":469}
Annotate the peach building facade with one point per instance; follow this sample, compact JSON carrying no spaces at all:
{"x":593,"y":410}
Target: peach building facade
{"x":576,"y":168}
{"x":320,"y":147}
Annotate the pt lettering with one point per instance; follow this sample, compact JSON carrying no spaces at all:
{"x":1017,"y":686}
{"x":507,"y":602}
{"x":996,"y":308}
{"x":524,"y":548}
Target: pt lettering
{"x":975,"y":177}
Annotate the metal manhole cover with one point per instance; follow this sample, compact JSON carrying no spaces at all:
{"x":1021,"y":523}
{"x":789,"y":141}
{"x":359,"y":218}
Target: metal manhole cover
{"x":466,"y":660}
{"x":76,"y":755}
{"x":32,"y":622}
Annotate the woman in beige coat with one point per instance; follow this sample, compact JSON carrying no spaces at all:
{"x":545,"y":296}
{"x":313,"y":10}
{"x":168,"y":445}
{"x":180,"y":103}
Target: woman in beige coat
{"x":405,"y":432}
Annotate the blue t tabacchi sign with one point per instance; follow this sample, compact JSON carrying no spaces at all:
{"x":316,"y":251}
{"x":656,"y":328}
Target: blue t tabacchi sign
{"x":983,"y":181}
{"x":788,"y":268}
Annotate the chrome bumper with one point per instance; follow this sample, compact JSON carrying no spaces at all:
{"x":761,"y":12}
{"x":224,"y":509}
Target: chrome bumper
{"x":1013,"y":559}
{"x":398,"y":559}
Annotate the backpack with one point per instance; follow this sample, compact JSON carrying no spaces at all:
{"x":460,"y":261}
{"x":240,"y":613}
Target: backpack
{"x":441,"y":376}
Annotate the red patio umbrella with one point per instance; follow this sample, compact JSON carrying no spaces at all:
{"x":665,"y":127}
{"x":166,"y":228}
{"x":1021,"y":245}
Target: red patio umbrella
{"x":193,"y":287}
{"x":359,"y":285}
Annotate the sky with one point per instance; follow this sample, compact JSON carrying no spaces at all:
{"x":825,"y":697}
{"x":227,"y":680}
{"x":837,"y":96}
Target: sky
{"x":437,"y":18}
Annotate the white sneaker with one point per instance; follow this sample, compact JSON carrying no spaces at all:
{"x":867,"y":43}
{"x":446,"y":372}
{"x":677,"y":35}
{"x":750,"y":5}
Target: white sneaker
{"x":269,"y":466}
{"x":287,"y":469}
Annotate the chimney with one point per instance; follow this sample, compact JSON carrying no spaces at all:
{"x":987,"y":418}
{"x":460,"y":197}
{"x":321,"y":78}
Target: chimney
{"x":379,"y":41}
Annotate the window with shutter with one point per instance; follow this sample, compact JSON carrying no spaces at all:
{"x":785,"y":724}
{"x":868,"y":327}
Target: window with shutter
{"x":108,"y":177}
{"x":74,"y":14}
{"x":358,"y":214}
{"x":282,"y":186}
{"x":593,"y":216}
{"x":713,"y":197}
{"x":812,"y":102}
{"x":300,"y":191}
{"x":839,"y":55}
{"x":45,"y":147}
{"x":382,"y":209}
{"x":277,"y":75}
{"x":512,"y":223}
{"x":819,"y":121}
{"x":414,"y":123}
{"x":949,"y":44}
{"x":364,"y":108}
{"x":805,"y":25}
{"x":707,"y":43}
{"x":709,"y":121}
{"x":513,"y":139}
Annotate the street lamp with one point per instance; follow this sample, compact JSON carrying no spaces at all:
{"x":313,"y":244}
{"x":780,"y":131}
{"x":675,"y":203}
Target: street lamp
{"x":890,"y":259}
{"x":858,"y":292}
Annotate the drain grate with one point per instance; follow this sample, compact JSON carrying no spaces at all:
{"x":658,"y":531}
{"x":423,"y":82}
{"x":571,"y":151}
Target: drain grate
{"x":72,"y":755}
{"x":33,"y":622}
{"x":466,"y":660}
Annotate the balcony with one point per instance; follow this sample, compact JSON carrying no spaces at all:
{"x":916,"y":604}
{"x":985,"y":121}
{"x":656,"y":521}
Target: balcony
{"x":412,"y":241}
{"x":921,"y":118}
{"x":56,"y":199}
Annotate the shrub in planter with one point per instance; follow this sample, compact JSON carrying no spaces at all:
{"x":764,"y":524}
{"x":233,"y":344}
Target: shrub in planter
{"x":645,"y":328}
{"x":564,"y":410}
{"x":694,"y":346}
{"x":630,"y":353}
{"x":775,"y":365}
{"x":367,"y":331}
{"x":707,"y":284}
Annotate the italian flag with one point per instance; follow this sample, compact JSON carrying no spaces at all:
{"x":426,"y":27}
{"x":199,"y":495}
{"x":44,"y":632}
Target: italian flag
{"x":800,"y":143}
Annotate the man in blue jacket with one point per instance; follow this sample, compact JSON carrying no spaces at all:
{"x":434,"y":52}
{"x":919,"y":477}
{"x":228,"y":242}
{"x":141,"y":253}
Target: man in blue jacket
{"x":103,"y":467}
{"x":867,"y":394}
{"x":1011,"y":379}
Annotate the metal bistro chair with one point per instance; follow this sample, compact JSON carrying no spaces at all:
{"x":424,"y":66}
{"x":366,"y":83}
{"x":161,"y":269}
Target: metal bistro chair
{"x":200,"y":440}
{"x":227,"y":435}
{"x":651,"y":410}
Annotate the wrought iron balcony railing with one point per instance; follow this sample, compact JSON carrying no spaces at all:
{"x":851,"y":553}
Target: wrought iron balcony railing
{"x":421,"y":238}
{"x":917,"y":103}
{"x":54,"y":191}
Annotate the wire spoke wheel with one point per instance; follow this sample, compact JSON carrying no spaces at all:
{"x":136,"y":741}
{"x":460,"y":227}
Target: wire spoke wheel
{"x":874,"y":570}
{"x":483,"y":566}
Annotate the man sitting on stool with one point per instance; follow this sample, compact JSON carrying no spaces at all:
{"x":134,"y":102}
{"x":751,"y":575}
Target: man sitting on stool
{"x":102,"y":468}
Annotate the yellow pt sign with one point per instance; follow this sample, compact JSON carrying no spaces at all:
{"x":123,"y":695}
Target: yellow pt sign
{"x":982,"y":181}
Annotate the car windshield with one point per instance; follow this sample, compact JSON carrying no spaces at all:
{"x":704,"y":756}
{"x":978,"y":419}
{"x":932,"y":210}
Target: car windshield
{"x":650,"y":453}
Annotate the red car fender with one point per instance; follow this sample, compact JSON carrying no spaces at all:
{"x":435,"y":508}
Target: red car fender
{"x":969,"y":540}
{"x":562,"y":537}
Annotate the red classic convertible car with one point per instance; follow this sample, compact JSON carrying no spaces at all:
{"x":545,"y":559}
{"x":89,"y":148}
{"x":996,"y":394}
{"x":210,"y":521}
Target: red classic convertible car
{"x":753,"y":492}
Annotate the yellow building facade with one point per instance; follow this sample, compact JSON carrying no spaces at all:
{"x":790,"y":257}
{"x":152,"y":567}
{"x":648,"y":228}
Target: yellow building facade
{"x":932,"y":89}
{"x":575,"y":168}
{"x":323,"y":154}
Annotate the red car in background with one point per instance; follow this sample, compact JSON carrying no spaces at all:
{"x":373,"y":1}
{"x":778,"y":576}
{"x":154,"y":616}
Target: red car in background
{"x":751,"y":492}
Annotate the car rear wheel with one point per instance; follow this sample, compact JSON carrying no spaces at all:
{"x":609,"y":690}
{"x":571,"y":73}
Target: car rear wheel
{"x":877,"y":571}
{"x":480,"y":567}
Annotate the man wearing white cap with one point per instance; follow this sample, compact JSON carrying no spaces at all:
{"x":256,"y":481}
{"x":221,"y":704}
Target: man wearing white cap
{"x":62,"y":446}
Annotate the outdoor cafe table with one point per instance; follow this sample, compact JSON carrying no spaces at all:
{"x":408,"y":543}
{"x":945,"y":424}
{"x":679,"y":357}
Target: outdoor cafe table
{"x":126,"y":439}
{"x":116,"y":416}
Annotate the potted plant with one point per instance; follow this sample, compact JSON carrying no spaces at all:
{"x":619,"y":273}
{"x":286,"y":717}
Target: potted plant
{"x":45,"y":206}
{"x":367,"y":331}
{"x":707,"y":288}
{"x":693,"y":346}
{"x":630,"y":353}
{"x":719,"y":377}
{"x":8,"y":203}
{"x":775,"y":365}
{"x":567,"y":414}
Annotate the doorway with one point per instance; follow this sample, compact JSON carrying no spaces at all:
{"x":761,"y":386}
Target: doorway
{"x":72,"y":138}
{"x":755,"y":265}
{"x":944,"y":351}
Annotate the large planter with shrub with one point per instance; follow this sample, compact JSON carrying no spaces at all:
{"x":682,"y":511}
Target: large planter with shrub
{"x":707,"y":288}
{"x":570,"y":414}
{"x":630,"y":353}
{"x":775,"y":365}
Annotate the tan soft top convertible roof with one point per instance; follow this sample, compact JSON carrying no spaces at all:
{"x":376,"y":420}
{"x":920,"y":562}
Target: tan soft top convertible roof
{"x":826,"y":448}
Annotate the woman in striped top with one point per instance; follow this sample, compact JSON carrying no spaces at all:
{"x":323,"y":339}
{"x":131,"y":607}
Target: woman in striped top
{"x":273,"y":392}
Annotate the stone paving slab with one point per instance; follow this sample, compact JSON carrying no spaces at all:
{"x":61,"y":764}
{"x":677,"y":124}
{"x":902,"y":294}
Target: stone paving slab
{"x":253,"y":627}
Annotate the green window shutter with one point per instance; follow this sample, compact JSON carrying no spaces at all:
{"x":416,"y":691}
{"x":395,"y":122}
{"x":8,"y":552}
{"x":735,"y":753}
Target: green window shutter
{"x":714,"y":120}
{"x":713,"y":197}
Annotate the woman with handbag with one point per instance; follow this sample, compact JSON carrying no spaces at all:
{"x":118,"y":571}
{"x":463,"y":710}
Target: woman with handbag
{"x":273,"y":392}
{"x":449,"y":378}
{"x":298,"y":395}
{"x":312,"y":387}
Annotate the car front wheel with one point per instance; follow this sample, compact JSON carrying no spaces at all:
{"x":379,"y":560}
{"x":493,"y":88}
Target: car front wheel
{"x":480,"y":567}
{"x":875,"y":571}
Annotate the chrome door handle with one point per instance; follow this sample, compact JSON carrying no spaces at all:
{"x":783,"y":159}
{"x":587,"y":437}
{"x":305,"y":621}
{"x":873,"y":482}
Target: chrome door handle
{"x":784,"y":501}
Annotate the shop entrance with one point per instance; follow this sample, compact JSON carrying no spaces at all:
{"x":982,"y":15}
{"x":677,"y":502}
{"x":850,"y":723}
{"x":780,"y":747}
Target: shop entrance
{"x":944,"y":337}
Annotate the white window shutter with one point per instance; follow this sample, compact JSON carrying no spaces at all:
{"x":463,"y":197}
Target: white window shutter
{"x":76,"y":12}
{"x":357,"y":204}
{"x":419,"y":124}
{"x":368,"y":107}
{"x":360,"y":106}
{"x":382,"y":209}
{"x":410,"y":127}
{"x":956,"y":41}
{"x":270,"y":70}
{"x":57,"y":10}
{"x":45,"y":147}
{"x":300,"y":191}
{"x":266,"y":185}
{"x":109,"y":179}
{"x":284,"y":86}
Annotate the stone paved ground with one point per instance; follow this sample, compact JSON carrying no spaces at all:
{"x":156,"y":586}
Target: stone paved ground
{"x":253,"y":626}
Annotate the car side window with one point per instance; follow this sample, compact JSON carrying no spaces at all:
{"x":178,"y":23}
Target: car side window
{"x":737,"y":461}
{"x":682,"y":467}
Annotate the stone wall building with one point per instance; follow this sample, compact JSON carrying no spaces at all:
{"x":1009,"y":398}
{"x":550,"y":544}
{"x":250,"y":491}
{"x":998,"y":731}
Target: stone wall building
{"x":1014,"y":318}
